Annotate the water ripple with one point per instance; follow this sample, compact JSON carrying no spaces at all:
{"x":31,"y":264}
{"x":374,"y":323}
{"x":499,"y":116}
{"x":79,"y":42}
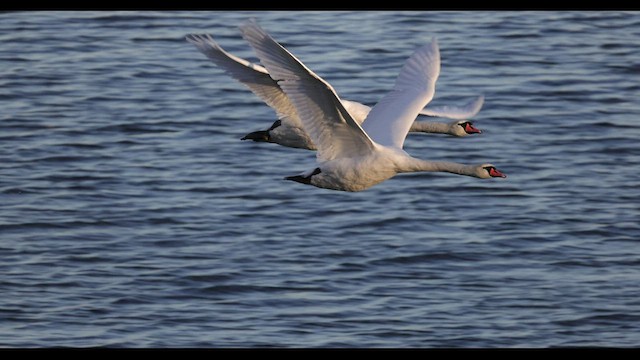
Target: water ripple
{"x":133,"y":216}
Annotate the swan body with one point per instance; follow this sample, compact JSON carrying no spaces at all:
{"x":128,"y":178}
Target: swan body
{"x":360,"y":173}
{"x":350,"y":156}
{"x":288,"y":129}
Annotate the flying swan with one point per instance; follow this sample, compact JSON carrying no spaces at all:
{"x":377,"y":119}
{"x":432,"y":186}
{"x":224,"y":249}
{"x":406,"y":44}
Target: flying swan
{"x":352,"y":157}
{"x":288,"y":129}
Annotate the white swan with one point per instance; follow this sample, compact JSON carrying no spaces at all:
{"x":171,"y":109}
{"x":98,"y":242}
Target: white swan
{"x":288,"y":130}
{"x":352,"y":157}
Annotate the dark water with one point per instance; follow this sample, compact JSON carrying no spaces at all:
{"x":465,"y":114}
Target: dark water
{"x":133,"y":216}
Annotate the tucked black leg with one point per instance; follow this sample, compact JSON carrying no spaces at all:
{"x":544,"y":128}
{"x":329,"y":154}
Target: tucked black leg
{"x":262,"y":135}
{"x":303,"y":179}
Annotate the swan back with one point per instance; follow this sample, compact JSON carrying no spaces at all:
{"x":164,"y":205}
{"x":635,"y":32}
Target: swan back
{"x":357,"y":110}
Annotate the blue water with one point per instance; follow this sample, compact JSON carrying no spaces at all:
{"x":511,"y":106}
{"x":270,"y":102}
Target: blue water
{"x":133,"y":216}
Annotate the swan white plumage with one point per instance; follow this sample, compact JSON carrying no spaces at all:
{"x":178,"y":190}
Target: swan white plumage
{"x":288,"y":129}
{"x":352,"y":157}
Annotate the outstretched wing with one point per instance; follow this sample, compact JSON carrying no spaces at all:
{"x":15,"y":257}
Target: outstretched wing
{"x":330,"y":126}
{"x":463,"y":112}
{"x":390,"y":119}
{"x":254,"y":76}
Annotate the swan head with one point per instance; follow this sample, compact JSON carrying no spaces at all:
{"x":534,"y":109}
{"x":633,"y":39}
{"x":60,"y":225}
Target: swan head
{"x":486,"y":171}
{"x":463,"y":128}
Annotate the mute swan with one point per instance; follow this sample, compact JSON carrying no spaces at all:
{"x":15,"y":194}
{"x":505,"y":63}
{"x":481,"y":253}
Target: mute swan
{"x":351,"y":157}
{"x":288,"y":130}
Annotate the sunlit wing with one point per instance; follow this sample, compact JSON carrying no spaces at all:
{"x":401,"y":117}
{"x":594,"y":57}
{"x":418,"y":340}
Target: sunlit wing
{"x":332,"y":129}
{"x":390,"y":119}
{"x":463,"y":112}
{"x":254,"y":76}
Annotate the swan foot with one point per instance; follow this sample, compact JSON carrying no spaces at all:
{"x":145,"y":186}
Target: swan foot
{"x":259,"y":136}
{"x":304,"y":178}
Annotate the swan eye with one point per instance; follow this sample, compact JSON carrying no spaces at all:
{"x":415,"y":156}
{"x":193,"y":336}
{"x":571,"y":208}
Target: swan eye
{"x":464,"y":124}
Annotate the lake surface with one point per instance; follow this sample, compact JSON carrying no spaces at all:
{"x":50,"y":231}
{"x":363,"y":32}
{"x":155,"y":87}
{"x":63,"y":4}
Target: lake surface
{"x":133,"y":216}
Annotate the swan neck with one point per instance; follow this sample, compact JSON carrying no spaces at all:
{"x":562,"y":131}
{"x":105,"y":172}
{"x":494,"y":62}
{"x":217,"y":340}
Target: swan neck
{"x":429,"y":127}
{"x":416,"y":165}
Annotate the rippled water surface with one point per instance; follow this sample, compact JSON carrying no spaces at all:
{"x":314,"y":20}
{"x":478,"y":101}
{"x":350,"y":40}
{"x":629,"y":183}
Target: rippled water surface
{"x":133,"y":216}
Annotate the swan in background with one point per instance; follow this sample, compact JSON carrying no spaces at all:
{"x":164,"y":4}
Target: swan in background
{"x":288,"y":129}
{"x":352,"y":157}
